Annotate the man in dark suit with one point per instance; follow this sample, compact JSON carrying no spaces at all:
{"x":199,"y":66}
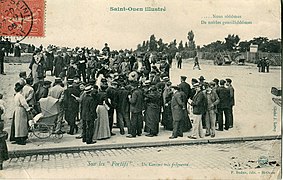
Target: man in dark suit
{"x":112,"y":94}
{"x":123,"y":108}
{"x":81,"y":64}
{"x":106,"y":50}
{"x":2,"y":55}
{"x":223,"y":106}
{"x":232,"y":100}
{"x":71,"y":105}
{"x":185,"y":87}
{"x":88,"y":115}
{"x":136,"y":106}
{"x":199,"y":103}
{"x":178,"y":108}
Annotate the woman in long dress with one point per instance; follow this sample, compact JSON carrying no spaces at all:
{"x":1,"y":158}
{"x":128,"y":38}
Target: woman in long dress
{"x":167,"y":119}
{"x":101,"y":124}
{"x":153,"y":99}
{"x":19,"y":129}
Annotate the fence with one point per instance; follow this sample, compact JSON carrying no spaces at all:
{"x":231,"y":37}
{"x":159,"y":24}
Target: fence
{"x":275,"y":58}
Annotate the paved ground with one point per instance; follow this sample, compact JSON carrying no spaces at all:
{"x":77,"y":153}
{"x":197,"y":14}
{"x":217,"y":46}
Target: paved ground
{"x":210,"y":161}
{"x":253,"y":112}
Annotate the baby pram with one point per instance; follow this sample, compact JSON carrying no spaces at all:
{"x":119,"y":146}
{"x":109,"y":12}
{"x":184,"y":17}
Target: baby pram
{"x":43,"y":124}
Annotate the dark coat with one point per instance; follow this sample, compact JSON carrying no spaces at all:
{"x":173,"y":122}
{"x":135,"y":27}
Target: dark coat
{"x":224,"y":96}
{"x":112,"y":95}
{"x":232,"y":97}
{"x":123,"y":104}
{"x":71,"y":72}
{"x":199,"y":103}
{"x":3,"y":147}
{"x":88,"y":107}
{"x":177,"y":106}
{"x":136,"y":101}
{"x":42,"y":92}
{"x":70,"y":103}
{"x":101,"y":96}
{"x":81,"y":62}
{"x":58,"y":65}
{"x":2,"y":55}
{"x":186,"y":88}
{"x":49,"y":61}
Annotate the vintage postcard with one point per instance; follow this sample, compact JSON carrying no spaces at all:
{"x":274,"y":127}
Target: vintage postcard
{"x":140,"y":89}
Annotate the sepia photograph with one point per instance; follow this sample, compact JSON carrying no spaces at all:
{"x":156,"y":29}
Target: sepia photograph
{"x":140,"y":89}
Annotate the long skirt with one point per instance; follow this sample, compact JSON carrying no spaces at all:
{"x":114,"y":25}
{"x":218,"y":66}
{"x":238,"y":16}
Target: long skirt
{"x":167,"y":119}
{"x":21,"y":122}
{"x":101,"y":124}
{"x":19,"y":126}
{"x":152,"y":120}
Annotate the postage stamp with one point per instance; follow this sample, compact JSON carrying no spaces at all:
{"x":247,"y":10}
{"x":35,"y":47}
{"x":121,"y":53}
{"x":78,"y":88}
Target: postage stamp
{"x":22,"y":18}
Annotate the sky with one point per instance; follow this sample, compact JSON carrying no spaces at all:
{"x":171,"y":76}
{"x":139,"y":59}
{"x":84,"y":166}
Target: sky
{"x":90,"y":23}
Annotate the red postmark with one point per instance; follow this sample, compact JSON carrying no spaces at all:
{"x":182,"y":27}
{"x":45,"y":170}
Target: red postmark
{"x":22,"y":18}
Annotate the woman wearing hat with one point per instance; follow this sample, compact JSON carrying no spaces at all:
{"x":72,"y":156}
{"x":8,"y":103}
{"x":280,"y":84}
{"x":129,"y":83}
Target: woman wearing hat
{"x":19,"y":129}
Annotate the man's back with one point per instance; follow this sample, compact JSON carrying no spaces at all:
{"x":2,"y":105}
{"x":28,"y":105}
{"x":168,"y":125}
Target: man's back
{"x":224,"y":96}
{"x":56,"y":91}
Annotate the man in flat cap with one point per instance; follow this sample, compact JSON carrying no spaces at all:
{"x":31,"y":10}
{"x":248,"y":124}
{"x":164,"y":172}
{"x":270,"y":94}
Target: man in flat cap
{"x":186,"y":92}
{"x":223,"y":106}
{"x":232,"y":100}
{"x":210,"y":115}
{"x":185,"y":87}
{"x":177,"y":107}
{"x":57,"y":92}
{"x":199,"y":104}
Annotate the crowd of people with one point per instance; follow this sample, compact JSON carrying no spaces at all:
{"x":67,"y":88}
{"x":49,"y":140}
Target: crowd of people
{"x":91,"y":87}
{"x":263,"y":64}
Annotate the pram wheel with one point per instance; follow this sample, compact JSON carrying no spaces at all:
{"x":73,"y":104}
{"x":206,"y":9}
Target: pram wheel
{"x":42,"y":131}
{"x":58,"y":136}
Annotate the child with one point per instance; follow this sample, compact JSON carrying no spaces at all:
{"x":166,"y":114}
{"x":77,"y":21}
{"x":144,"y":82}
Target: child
{"x":2,"y":107}
{"x":3,"y":146}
